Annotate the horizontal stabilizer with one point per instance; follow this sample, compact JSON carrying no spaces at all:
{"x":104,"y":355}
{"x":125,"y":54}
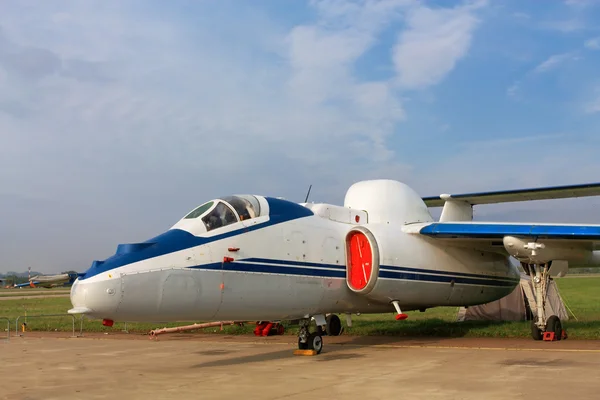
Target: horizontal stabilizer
{"x":507,"y":196}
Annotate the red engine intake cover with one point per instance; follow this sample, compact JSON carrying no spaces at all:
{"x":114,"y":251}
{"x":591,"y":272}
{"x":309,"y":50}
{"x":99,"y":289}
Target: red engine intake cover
{"x":360,"y":260}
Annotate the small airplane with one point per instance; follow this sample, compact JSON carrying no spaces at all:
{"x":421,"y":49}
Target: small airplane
{"x":256,"y":258}
{"x":49,"y":281}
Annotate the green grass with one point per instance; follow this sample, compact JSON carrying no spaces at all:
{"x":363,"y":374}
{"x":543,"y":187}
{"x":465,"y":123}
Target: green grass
{"x":581,"y":295}
{"x":17,"y":294}
{"x":32,"y":292}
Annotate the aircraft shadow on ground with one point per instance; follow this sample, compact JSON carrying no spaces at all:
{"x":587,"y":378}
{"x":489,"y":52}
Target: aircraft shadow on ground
{"x":252,"y":358}
{"x":330,"y":353}
{"x":414,"y":333}
{"x":435,"y":328}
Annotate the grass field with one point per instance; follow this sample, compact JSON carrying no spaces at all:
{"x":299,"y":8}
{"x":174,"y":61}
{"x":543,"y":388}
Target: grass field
{"x":33,"y":292}
{"x":581,"y":295}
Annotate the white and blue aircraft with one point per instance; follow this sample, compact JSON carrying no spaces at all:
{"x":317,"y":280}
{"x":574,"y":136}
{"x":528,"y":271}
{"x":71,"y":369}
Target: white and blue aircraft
{"x":256,"y":258}
{"x":49,"y":281}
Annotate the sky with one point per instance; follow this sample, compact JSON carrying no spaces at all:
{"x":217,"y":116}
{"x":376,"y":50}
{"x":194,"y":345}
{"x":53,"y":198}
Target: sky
{"x":119,"y":117}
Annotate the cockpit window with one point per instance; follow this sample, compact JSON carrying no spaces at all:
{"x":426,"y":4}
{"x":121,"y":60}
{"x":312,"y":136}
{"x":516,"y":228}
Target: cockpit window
{"x":246,"y":206}
{"x":199,"y":210}
{"x":220,"y":216}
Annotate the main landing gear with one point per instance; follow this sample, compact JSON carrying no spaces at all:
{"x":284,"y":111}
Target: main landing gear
{"x":541,"y":328}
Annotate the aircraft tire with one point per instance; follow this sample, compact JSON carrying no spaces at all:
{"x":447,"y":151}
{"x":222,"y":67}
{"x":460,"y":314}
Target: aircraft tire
{"x":536,"y":333}
{"x":553,"y":324}
{"x":334,"y":325}
{"x":303,"y":346}
{"x":315,"y":342}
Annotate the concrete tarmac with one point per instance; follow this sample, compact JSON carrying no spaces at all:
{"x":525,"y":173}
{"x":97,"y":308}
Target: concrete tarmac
{"x":229,"y":367}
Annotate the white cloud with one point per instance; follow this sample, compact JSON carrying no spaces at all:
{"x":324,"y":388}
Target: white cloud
{"x":484,"y":162}
{"x":113,"y":110}
{"x":436,"y":39}
{"x":593,"y":43}
{"x":236,"y":95}
{"x":322,"y":56}
{"x":109,"y":111}
{"x":554,"y":61}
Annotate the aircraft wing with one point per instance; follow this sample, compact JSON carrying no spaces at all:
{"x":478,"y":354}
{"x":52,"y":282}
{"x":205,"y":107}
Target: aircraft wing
{"x":526,"y":242}
{"x":571,"y":242}
{"x":498,"y":230}
{"x":505,"y":196}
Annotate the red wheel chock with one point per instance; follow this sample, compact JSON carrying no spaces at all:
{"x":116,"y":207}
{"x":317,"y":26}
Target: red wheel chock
{"x":260,"y":326}
{"x":549,"y":337}
{"x":268,"y":328}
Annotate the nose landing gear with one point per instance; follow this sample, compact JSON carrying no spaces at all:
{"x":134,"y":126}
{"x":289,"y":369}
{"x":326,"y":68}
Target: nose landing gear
{"x":329,"y":325}
{"x":308,"y":340}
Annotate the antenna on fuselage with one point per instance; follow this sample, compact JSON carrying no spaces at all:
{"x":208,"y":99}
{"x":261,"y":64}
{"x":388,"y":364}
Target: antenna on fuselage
{"x":308,"y":194}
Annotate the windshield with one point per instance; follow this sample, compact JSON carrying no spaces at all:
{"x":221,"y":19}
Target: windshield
{"x":225,"y":211}
{"x":220,"y":216}
{"x":199,"y":210}
{"x":246,"y":206}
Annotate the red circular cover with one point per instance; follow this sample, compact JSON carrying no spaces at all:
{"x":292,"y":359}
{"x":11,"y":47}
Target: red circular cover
{"x":360,"y":261}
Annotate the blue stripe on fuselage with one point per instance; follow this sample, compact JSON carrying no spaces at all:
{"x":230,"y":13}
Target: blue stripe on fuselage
{"x":308,"y":269}
{"x":449,"y":273}
{"x":176,"y":239}
{"x":382,"y":267}
{"x":272,"y":269}
{"x":297,"y":263}
{"x":413,"y":276}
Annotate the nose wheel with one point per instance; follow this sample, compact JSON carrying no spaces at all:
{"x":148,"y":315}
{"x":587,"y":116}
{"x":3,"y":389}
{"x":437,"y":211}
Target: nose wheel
{"x":308,"y":340}
{"x":314,"y":341}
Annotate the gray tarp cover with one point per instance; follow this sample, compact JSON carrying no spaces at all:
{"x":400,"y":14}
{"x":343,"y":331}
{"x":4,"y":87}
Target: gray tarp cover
{"x":513,"y":306}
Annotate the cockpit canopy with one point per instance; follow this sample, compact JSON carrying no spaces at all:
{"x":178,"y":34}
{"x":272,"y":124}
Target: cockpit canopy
{"x":225,"y":211}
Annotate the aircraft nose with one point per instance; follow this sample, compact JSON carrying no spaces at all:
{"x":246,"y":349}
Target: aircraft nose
{"x":78,"y":298}
{"x":96,"y":299}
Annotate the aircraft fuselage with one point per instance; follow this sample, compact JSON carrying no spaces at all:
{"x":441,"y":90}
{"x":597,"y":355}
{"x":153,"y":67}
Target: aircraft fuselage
{"x":267,"y":268}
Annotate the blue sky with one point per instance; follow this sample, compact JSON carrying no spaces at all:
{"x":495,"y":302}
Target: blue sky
{"x":116,"y":118}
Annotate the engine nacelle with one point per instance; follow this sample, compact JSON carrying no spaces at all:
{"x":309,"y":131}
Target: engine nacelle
{"x":387,"y":201}
{"x":364,"y":259}
{"x":389,"y":205}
